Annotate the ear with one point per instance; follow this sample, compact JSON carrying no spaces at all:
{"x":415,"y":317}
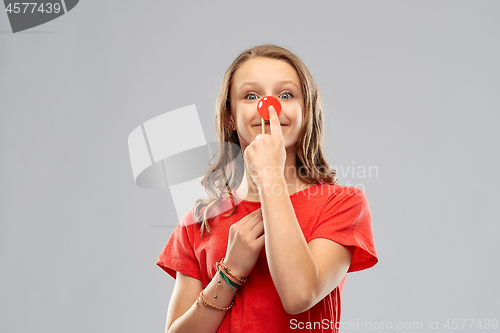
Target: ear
{"x":228,"y":118}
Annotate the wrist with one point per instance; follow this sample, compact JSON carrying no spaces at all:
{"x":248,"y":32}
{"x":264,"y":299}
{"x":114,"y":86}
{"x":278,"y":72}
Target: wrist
{"x":273,"y":185}
{"x":235,"y":269}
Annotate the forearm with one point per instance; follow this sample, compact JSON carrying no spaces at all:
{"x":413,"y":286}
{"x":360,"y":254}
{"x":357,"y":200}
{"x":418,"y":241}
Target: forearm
{"x":292,"y":266}
{"x":200,"y":318}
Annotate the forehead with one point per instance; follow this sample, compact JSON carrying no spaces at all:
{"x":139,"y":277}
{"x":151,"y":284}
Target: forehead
{"x":266,"y":71}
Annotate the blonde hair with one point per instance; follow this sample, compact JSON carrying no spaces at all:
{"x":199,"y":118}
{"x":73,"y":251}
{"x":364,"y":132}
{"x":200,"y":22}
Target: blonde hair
{"x":309,"y":147}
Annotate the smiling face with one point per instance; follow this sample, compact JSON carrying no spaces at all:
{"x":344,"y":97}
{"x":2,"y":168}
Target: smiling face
{"x":259,"y":77}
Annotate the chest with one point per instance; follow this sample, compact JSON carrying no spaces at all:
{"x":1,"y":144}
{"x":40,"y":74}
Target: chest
{"x":212,"y":247}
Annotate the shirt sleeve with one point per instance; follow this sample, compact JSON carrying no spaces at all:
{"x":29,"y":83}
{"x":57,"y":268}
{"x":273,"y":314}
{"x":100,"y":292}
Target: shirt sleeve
{"x":346,"y":219}
{"x":178,"y":255}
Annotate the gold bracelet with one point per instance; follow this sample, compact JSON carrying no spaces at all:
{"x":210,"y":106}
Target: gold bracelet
{"x":211,"y":306}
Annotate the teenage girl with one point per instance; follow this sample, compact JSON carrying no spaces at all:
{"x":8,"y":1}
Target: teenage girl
{"x":277,"y":260}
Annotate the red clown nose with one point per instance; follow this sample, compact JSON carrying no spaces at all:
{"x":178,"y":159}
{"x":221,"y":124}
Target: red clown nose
{"x":264,"y":103}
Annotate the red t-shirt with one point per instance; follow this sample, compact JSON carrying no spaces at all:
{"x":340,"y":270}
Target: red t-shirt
{"x":334,"y":212}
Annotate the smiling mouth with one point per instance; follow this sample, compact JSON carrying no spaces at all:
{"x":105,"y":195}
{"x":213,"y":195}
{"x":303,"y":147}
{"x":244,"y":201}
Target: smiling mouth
{"x":260,"y":125}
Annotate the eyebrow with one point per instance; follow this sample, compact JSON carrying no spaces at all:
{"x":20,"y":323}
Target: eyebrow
{"x":251,"y":83}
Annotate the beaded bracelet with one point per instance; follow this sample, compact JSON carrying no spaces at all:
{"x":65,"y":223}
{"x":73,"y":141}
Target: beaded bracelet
{"x":211,"y":306}
{"x":229,"y":282}
{"x":238,"y":279}
{"x":231,"y":278}
{"x":234,"y":281}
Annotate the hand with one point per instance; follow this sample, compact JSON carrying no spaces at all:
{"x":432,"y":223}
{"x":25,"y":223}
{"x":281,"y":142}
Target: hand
{"x":246,"y":239}
{"x":265,"y":156}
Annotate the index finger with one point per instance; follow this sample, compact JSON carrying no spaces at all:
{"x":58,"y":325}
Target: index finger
{"x":253,"y":220}
{"x":274,"y":121}
{"x":250,"y":216}
{"x":256,"y":212}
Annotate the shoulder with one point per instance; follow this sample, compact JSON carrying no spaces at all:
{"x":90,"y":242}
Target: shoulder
{"x":341,"y":190}
{"x":323,"y":194}
{"x":188,"y":220}
{"x":219,"y":213}
{"x":187,"y":228}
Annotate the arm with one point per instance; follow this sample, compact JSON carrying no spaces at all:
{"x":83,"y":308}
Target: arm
{"x":303,"y":273}
{"x":245,"y":242}
{"x":183,"y":313}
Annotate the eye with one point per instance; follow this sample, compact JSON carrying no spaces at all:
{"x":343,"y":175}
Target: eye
{"x":286,"y":95}
{"x":251,"y":94}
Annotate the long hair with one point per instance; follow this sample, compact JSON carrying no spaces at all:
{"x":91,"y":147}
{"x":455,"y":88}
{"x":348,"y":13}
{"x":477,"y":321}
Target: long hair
{"x":310,"y":160}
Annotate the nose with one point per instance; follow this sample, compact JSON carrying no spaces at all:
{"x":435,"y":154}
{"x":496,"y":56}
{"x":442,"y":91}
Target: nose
{"x":264,"y":103}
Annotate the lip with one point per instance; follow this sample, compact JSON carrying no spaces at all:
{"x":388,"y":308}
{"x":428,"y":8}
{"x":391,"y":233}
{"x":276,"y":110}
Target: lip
{"x":260,"y":125}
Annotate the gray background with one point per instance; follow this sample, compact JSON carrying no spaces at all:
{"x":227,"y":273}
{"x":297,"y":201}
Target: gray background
{"x":411,"y":87}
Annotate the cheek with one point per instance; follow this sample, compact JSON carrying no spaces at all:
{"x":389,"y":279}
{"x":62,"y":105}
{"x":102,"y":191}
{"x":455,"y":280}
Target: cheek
{"x":296,"y":119}
{"x":246,"y":113}
{"x":298,"y":116}
{"x":242,"y":119}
